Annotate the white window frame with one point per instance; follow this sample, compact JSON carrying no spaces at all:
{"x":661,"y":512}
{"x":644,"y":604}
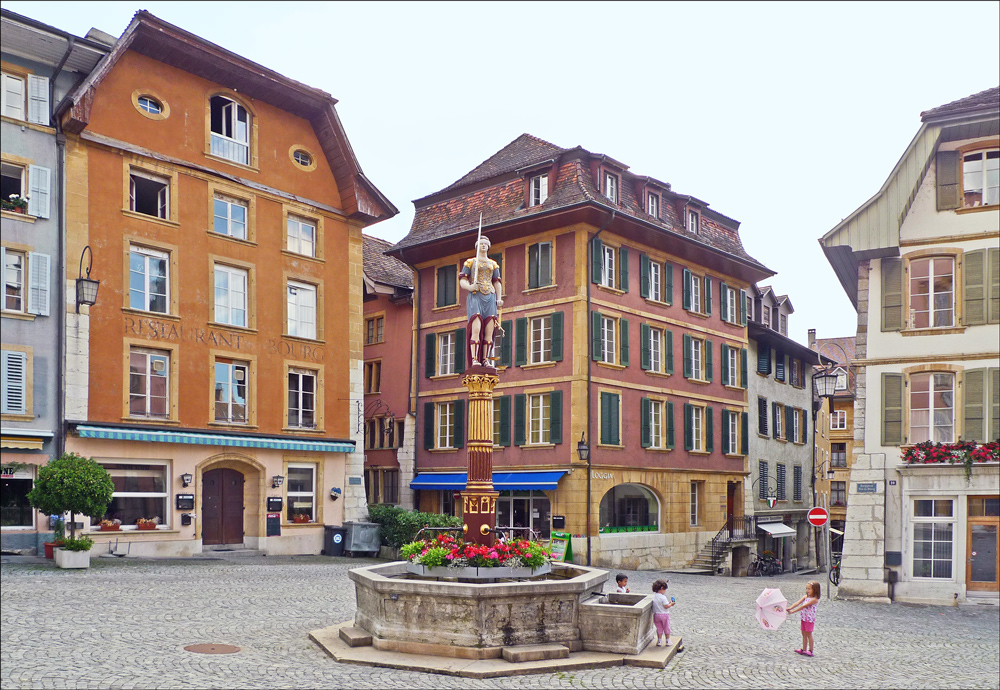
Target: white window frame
{"x":446,"y":353}
{"x":780,"y":423}
{"x":609,"y":339}
{"x":12,"y":170}
{"x":540,"y":339}
{"x":697,"y":428}
{"x":983,"y":173}
{"x":297,"y":325}
{"x":295,"y":497}
{"x":19,"y":111}
{"x":655,"y":282}
{"x":539,"y":419}
{"x":733,"y":304}
{"x":297,"y":398}
{"x":838,"y":420}
{"x":608,"y":267}
{"x":232,"y":225}
{"x":796,"y":426}
{"x":539,"y":190}
{"x":696,"y":283}
{"x":160,"y":356}
{"x":841,"y":381}
{"x":932,"y":411}
{"x":232,"y":148}
{"x":693,"y":222}
{"x":657,"y":361}
{"x":653,"y":205}
{"x":445,"y":425}
{"x":536,"y":250}
{"x":164,"y":495}
{"x":232,"y":294}
{"x":611,"y":187}
{"x":149,"y":105}
{"x":233,"y":369}
{"x":934,"y":520}
{"x":933,"y":311}
{"x":749,"y":308}
{"x":300,"y":241}
{"x":783,"y":324}
{"x":656,"y":426}
{"x":765,"y":316}
{"x":733,"y":357}
{"x":733,"y":432}
{"x":694,"y":504}
{"x":15,"y":375}
{"x":497,"y":423}
{"x":697,"y":359}
{"x":148,"y":255}
{"x":162,"y":195}
{"x":15,"y":280}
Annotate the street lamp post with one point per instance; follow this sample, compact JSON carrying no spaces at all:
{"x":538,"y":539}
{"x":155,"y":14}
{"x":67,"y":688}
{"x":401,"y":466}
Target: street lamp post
{"x":824,"y":386}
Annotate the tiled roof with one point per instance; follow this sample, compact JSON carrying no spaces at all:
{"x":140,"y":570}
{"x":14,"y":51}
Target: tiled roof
{"x":384,"y":269}
{"x":574,"y":184}
{"x":984,"y":100}
{"x":840,"y":350}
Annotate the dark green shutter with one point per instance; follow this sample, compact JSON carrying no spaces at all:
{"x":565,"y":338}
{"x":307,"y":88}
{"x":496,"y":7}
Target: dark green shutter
{"x":805,"y":426}
{"x":644,"y":356}
{"x":615,"y":405}
{"x":643,"y":276}
{"x":595,"y":336}
{"x":668,"y":293}
{"x":428,"y":426}
{"x":974,"y":288}
{"x":442,"y":288}
{"x":994,"y":402}
{"x":508,"y":335}
{"x":779,"y":366}
{"x":709,"y":430}
{"x":686,"y":289}
{"x":892,"y":409}
{"x":623,"y":328}
{"x":744,"y":434}
{"x":743,"y":367}
{"x":789,"y":412}
{"x":948,"y":188}
{"x":763,"y":358}
{"x":708,"y":360}
{"x":430,"y":354}
{"x":993,"y":298}
{"x":974,"y":405}
{"x":605,"y":418}
{"x":725,"y":431}
{"x":775,"y":419}
{"x":557,"y":336}
{"x":555,"y":417}
{"x":623,"y":273}
{"x":545,"y":263}
{"x":892,"y":294}
{"x":459,"y":441}
{"x":460,"y":350}
{"x":687,"y":356}
{"x":521,"y":342}
{"x":596,"y":260}
{"x":688,"y":445}
{"x":669,"y":347}
{"x":708,"y":296}
{"x":762,"y":415}
{"x":520,"y":403}
{"x":645,"y":435}
{"x":725,"y":364}
{"x":534,"y":252}
{"x":670,"y":425}
{"x":743,"y":307}
{"x":504,"y":439}
{"x":724,"y":302}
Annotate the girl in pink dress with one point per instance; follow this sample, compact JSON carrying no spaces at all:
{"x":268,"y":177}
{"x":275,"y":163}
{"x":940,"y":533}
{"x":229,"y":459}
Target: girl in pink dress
{"x":807,"y":605}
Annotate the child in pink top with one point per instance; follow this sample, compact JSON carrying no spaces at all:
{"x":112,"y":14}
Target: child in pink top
{"x":807,"y":605}
{"x":661,"y":619}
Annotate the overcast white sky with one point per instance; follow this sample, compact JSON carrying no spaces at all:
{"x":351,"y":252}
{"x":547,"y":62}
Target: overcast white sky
{"x":785,"y":116}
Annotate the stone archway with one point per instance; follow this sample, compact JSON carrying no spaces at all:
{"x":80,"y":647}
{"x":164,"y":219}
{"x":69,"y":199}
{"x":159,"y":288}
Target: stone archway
{"x":230,"y":486}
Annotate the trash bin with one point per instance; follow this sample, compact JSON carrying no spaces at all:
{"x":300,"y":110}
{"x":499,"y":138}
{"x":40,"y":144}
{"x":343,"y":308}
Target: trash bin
{"x":333,"y":540}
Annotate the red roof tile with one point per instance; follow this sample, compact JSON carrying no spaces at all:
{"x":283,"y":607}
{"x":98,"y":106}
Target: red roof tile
{"x":384,"y":269}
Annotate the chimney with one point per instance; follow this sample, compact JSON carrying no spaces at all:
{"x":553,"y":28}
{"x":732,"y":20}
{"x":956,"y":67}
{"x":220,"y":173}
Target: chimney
{"x":812,"y":338}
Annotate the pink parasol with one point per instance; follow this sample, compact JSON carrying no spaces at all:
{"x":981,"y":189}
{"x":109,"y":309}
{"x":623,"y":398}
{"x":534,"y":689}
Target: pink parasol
{"x":772,"y":609}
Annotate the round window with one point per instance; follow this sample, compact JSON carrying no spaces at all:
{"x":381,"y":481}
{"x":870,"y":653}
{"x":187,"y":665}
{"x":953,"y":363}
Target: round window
{"x":302,"y":158}
{"x":150,"y":105}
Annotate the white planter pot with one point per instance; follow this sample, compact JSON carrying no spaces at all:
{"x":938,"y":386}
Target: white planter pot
{"x":72,"y":559}
{"x":471,"y":573}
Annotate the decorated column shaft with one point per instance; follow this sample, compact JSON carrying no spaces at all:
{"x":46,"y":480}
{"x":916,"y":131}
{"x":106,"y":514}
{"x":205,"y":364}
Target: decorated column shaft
{"x":479,"y":500}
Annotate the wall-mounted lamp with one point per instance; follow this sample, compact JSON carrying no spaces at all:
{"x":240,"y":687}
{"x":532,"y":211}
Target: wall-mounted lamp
{"x":186,"y":479}
{"x":582,"y":448}
{"x":276,"y":481}
{"x":86,"y":288}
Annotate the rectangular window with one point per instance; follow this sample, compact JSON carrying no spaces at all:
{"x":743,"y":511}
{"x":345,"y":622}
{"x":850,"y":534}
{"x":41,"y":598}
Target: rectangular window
{"x":149,"y":383}
{"x":445,"y":424}
{"x":732,"y":298}
{"x":140,"y":491}
{"x":933,"y":535}
{"x":796,"y":427}
{"x":838,"y":493}
{"x":373,"y":377}
{"x":230,"y":217}
{"x":838,"y":420}
{"x":302,"y":398}
{"x":608,"y":267}
{"x":750,"y":308}
{"x":231,"y":378}
{"x":608,"y":349}
{"x":539,"y":415}
{"x":781,"y":482}
{"x":382,"y":486}
{"x":13,"y":184}
{"x":301,"y":310}
{"x":697,"y":359}
{"x":539,"y":190}
{"x":656,"y":350}
{"x":610,"y":419}
{"x":932,"y":292}
{"x":230,"y":295}
{"x":541,"y":339}
{"x":653,"y":205}
{"x":733,"y":366}
{"x":374,"y":330}
{"x":765,"y":316}
{"x":656,"y":430}
{"x":15,"y":509}
{"x":301,"y":491}
{"x":655,"y":282}
{"x":693,"y":222}
{"x":695,"y":288}
{"x":14,"y":273}
{"x":497,"y":422}
{"x":230,"y":124}
{"x":149,"y":280}
{"x":301,"y":236}
{"x":697,"y":428}
{"x":694,"y":504}
{"x":762,"y":482}
{"x":611,"y":187}
{"x":14,"y":375}
{"x":13,"y":96}
{"x":779,"y":421}
{"x":447,"y":294}
{"x":732,"y":432}
{"x":783,"y":328}
{"x":539,"y":265}
{"x":838,"y":455}
{"x":797,"y":489}
{"x":149,"y":194}
{"x":932,"y":407}
{"x":446,"y":353}
{"x":981,"y":178}
{"x":841,"y":382}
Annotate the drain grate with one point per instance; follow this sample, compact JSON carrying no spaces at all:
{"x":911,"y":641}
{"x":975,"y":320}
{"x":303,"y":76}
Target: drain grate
{"x":212,"y":648}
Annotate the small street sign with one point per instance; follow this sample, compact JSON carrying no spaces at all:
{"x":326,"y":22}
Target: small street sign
{"x":818,"y":516}
{"x":867,"y":487}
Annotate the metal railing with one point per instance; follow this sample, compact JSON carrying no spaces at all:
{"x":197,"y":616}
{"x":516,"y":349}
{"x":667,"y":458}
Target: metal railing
{"x":736,"y":528}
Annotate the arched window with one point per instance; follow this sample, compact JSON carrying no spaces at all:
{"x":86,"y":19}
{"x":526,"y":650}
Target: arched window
{"x":629,"y":508}
{"x":230,"y":130}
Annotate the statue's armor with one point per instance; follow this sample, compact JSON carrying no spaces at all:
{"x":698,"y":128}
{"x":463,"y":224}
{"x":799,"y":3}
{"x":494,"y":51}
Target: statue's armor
{"x":483,"y":282}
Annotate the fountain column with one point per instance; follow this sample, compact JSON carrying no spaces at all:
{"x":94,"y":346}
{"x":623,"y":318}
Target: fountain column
{"x":479,"y":500}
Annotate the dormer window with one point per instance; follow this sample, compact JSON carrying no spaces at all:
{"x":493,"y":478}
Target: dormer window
{"x":693,"y":222}
{"x":611,"y":187}
{"x":981,"y":179}
{"x":230,"y":130}
{"x":538,"y":190}
{"x":653,"y":205}
{"x":783,"y":321}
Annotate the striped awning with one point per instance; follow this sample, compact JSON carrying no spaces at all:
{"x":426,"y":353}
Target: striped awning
{"x":502,"y":481}
{"x":204,"y":439}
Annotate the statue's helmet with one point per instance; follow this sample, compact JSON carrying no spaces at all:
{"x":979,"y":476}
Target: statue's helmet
{"x":482,"y":240}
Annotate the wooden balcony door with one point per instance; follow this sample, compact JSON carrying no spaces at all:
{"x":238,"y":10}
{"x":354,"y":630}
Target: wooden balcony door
{"x":982,"y":558}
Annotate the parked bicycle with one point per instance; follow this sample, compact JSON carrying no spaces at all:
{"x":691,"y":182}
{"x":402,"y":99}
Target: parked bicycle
{"x":755,"y":567}
{"x":835,"y":570}
{"x":771,"y":565}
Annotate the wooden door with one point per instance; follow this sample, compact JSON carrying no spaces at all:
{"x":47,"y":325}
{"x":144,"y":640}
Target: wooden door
{"x":222,"y":507}
{"x":730,"y":504}
{"x":982,"y":556}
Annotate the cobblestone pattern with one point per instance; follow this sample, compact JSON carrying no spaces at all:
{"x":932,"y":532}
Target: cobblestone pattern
{"x":125,"y":623}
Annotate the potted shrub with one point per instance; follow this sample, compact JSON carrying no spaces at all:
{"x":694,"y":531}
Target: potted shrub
{"x":147,"y":523}
{"x":74,"y":553}
{"x":15,"y":203}
{"x":110,"y":525}
{"x":72,"y":484}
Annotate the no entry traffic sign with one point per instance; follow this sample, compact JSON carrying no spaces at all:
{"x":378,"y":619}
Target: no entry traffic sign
{"x":818,"y":517}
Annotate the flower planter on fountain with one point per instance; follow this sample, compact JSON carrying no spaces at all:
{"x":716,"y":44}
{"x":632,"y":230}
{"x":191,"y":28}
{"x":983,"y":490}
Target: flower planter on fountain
{"x":474,"y":573}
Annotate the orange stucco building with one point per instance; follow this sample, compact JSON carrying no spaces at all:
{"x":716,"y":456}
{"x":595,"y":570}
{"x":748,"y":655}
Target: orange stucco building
{"x":217,"y":374}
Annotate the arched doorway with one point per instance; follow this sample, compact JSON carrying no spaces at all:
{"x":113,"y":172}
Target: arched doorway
{"x":222,"y":507}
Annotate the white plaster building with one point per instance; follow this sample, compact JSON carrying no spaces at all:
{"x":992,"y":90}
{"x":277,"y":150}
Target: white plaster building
{"x":921,"y":262}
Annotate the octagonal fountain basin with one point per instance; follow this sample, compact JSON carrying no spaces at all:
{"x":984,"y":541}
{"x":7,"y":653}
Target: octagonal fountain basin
{"x":475,"y":620}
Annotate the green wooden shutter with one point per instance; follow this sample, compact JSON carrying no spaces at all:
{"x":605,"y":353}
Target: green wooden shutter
{"x":645,"y":434}
{"x":725,"y":431}
{"x":948,"y":187}
{"x":534,"y":252}
{"x":686,"y":289}
{"x":762,"y":415}
{"x":724,"y":364}
{"x":520,"y":403}
{"x":724,"y":302}
{"x":669,"y":348}
{"x":763,"y":359}
{"x":505,"y":349}
{"x":557,"y":336}
{"x":644,"y":356}
{"x":623,"y":337}
{"x":708,"y":360}
{"x":460,"y":350}
{"x":805,"y":426}
{"x":687,"y":356}
{"x":670,"y":425}
{"x":993,"y":298}
{"x":974,"y":405}
{"x":442,"y":288}
{"x":555,"y":417}
{"x":596,"y":260}
{"x":459,"y":441}
{"x":595,"y":336}
{"x":521,"y":342}
{"x":744,"y":433}
{"x":776,"y":420}
{"x":688,"y":441}
{"x":743,"y":368}
{"x":994,"y":402}
{"x":974,"y":287}
{"x":605,"y":418}
{"x":615,"y":405}
{"x":430,"y":354}
{"x":623,"y":273}
{"x":779,"y":365}
{"x":504,"y":439}
{"x":428,"y":426}
{"x":668,"y":293}
{"x":892,"y":294}
{"x":743,"y":307}
{"x":643,"y":276}
{"x":789,"y":412}
{"x":892,"y":409}
{"x":708,"y":296}
{"x":709,"y":431}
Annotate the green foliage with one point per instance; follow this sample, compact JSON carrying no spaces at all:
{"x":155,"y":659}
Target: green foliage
{"x":533,"y":554}
{"x":400,"y":526}
{"x":80,"y":544}
{"x":435,"y":557}
{"x":73,"y":484}
{"x":59,"y":531}
{"x":411,"y":549}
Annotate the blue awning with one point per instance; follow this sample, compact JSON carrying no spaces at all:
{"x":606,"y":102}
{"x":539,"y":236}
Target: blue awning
{"x":502,"y":481}
{"x":207,"y":439}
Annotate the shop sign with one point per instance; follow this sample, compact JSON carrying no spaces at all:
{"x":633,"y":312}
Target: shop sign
{"x":11,"y":472}
{"x":602,"y":475}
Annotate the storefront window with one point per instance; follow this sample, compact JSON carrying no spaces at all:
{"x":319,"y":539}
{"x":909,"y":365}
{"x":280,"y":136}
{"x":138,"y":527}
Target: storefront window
{"x":140,"y":492}
{"x":630,"y":508}
{"x":15,"y":511}
{"x":524,"y":509}
{"x":933,"y":532}
{"x":301,"y":492}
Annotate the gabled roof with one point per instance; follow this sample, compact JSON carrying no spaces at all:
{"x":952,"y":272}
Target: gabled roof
{"x":763,"y":334}
{"x":840,"y":350}
{"x":524,"y":151}
{"x":384,"y":269}
{"x":40,"y":42}
{"x":159,"y":40}
{"x":984,"y":100}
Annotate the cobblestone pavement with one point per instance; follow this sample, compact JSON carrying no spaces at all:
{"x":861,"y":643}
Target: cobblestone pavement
{"x":125,"y":623}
